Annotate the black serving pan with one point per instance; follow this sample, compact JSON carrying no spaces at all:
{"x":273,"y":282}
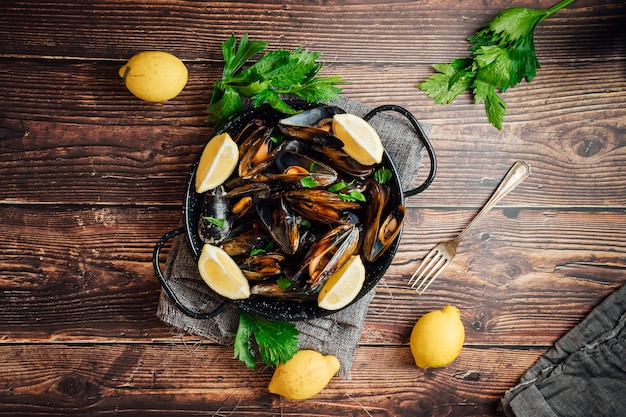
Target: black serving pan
{"x":272,"y":308}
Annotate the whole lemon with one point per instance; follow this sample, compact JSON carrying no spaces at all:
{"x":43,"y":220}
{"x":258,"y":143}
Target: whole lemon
{"x":304,"y":375}
{"x":437,"y":338}
{"x":154,"y":76}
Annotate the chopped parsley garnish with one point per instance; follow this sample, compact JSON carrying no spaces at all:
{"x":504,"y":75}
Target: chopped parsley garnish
{"x":308,"y":182}
{"x":259,"y":251}
{"x":217,"y":222}
{"x":339,"y":186}
{"x":382,"y":175}
{"x":283,"y":283}
{"x":354,"y":195}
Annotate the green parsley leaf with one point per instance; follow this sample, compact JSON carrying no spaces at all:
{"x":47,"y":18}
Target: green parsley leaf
{"x":452,"y":80}
{"x":502,"y":55}
{"x":339,"y":186}
{"x":273,"y":99}
{"x":236,"y":56}
{"x":306,"y":223}
{"x":382,"y":175}
{"x":318,"y":89}
{"x":493,"y":64}
{"x":514,"y":23}
{"x":308,"y":182}
{"x":217,"y":222}
{"x":277,"y":341}
{"x":354,"y":195}
{"x":267,"y":248}
{"x":283,"y":283}
{"x":242,"y":348}
{"x":494,"y":105}
{"x":228,"y":104}
{"x":524,"y":62}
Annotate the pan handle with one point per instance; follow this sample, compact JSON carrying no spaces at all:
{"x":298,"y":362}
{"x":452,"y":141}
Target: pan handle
{"x":168,"y":289}
{"x":422,"y":136}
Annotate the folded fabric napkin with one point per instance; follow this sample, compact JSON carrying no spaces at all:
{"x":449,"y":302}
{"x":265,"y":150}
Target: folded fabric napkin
{"x":584,"y":374}
{"x":336,"y":334}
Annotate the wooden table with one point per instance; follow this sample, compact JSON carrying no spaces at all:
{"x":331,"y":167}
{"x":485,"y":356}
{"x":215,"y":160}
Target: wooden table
{"x":92,"y":177}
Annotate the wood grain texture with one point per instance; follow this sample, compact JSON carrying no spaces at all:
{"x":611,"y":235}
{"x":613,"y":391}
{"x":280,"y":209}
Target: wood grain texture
{"x":92,"y":178}
{"x":582,"y":154}
{"x":398,"y":31}
{"x":100,"y":284}
{"x":186,"y":379}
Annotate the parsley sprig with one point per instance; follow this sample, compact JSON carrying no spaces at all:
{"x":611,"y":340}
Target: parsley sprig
{"x":502,"y":55}
{"x":277,"y":341}
{"x":272,"y":75}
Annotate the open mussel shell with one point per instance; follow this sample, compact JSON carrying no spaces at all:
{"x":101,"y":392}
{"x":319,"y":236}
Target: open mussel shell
{"x":293,"y":166}
{"x":312,"y":117}
{"x":312,"y":126}
{"x":212,"y":207}
{"x":383,"y":221}
{"x":276,"y":308}
{"x":280,"y":222}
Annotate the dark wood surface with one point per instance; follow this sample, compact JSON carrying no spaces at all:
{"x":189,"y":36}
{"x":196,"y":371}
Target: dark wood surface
{"x":92,"y":177}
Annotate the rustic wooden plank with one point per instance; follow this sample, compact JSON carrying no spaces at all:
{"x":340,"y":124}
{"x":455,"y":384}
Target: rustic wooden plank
{"x":181,"y":379}
{"x":89,"y":268}
{"x":109,"y":103}
{"x":92,"y":177}
{"x":399,"y":32}
{"x":515,"y":263}
{"x":573,"y":145}
{"x":151,"y":168}
{"x":26,"y":98}
{"x":521,"y":277}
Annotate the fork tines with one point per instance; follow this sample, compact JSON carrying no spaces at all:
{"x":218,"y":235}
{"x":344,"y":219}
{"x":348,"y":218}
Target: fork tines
{"x":432,"y":264}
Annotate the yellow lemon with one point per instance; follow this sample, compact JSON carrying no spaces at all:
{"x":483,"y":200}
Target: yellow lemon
{"x":437,"y":338}
{"x":218,"y":160}
{"x":360,"y":139}
{"x":154,"y":76}
{"x":342,"y":286}
{"x":303,"y":376}
{"x":222,"y":274}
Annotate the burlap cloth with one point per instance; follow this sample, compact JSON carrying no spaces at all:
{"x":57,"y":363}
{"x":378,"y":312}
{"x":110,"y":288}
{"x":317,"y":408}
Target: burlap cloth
{"x":336,"y":334}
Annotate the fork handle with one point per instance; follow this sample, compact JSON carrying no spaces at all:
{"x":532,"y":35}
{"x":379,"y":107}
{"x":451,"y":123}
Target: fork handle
{"x":518,"y":173}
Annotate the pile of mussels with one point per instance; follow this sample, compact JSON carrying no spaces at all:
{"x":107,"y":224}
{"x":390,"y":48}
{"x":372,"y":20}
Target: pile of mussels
{"x":298,"y":207}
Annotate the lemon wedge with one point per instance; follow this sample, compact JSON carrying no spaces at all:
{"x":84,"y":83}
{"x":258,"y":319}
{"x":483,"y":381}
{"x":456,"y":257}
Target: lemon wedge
{"x":360,"y":139}
{"x":343,"y":286}
{"x":219,"y":159}
{"x":222,"y":274}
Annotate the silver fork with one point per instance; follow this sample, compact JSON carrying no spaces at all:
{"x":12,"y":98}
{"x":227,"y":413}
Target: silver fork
{"x":442,"y":255}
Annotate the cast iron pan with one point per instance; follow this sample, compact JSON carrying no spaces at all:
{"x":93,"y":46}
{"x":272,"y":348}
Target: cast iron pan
{"x":272,"y":308}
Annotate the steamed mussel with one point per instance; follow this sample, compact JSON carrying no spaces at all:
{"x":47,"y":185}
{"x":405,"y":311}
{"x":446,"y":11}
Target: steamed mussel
{"x":298,"y":207}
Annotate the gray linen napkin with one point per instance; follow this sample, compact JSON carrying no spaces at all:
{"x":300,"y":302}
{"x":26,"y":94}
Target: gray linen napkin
{"x":336,"y":334}
{"x":584,"y":374}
